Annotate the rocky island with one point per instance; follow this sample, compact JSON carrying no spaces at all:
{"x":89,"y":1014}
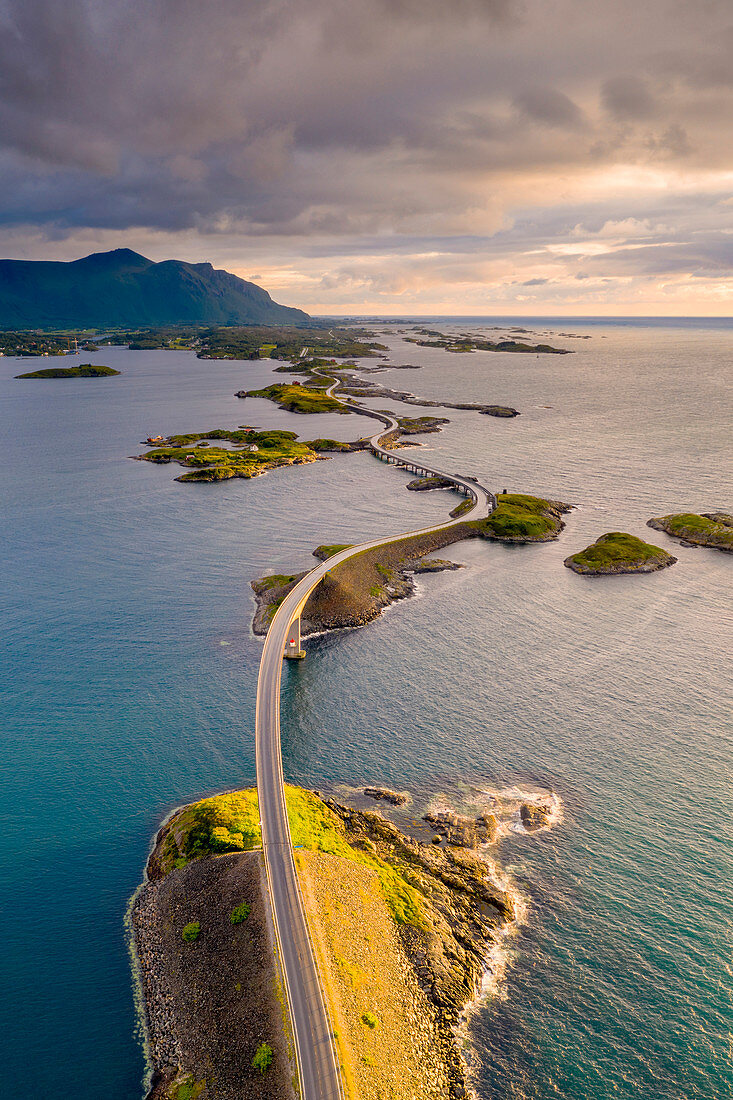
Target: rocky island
{"x":618,"y":552}
{"x":81,"y":370}
{"x":357,"y":590}
{"x":214,"y":1009}
{"x":713,"y":529}
{"x":252,"y":453}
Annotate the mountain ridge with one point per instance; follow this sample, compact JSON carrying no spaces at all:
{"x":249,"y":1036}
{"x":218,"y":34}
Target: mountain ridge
{"x":124,"y":288}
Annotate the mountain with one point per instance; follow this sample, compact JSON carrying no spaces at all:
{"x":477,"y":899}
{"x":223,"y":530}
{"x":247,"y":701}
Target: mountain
{"x":123,"y":289}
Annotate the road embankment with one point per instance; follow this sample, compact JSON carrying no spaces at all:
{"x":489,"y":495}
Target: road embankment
{"x":358,"y":590}
{"x":210,"y":1002}
{"x":401,"y":929}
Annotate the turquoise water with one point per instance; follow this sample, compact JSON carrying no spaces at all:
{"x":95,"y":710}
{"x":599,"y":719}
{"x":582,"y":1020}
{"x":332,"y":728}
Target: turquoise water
{"x":128,"y":682}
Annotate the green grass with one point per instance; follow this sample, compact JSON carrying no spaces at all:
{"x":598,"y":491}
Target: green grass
{"x":230,"y":823}
{"x":82,"y":370}
{"x":327,"y":550}
{"x":617,"y":549}
{"x":699,"y":529}
{"x":206,"y":463}
{"x":461,"y":509}
{"x":240,"y":913}
{"x":191,"y":932}
{"x":313,"y":826}
{"x":299,"y":399}
{"x":518,"y":516}
{"x":263,"y":1058}
{"x":187,"y":1090}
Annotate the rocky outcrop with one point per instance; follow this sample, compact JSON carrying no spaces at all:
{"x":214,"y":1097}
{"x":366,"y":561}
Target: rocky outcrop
{"x":463,"y":908}
{"x":711,"y":529}
{"x":535,"y":815}
{"x":463,"y":832}
{"x":384,"y":794}
{"x":425,"y":484}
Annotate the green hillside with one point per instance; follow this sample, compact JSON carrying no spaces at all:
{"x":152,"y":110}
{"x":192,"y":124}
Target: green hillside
{"x":122,"y":288}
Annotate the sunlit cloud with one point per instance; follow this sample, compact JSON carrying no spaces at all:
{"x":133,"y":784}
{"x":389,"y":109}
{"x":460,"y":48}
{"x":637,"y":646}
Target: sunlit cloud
{"x":488,"y":156}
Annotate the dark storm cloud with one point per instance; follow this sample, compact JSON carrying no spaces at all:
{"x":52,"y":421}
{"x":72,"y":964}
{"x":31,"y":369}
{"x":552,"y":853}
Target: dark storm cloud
{"x":483,"y":121}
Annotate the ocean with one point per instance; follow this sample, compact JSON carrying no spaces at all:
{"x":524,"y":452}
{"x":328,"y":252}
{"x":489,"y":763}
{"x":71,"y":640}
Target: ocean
{"x":128,"y":673}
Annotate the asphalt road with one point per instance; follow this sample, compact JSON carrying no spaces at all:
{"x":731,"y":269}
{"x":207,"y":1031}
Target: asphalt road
{"x":320,"y":1078}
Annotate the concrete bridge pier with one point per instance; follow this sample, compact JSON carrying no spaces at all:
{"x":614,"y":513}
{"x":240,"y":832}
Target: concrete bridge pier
{"x":293,"y":646}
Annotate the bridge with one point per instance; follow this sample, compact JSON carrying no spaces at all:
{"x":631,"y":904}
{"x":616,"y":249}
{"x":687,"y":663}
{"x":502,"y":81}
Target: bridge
{"x":317,"y":1061}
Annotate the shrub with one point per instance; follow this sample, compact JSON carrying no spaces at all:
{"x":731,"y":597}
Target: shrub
{"x":263,"y":1058}
{"x":191,"y":932}
{"x":240,"y":913}
{"x":370,"y":1020}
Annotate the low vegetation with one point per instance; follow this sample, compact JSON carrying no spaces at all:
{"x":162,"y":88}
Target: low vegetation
{"x":82,"y":370}
{"x":230,"y":823}
{"x":713,"y":529}
{"x":297,"y":398}
{"x":619,"y":552}
{"x":323,"y":553}
{"x":252,"y":454}
{"x":189,"y":1089}
{"x":522,"y":518}
{"x":263,"y":1058}
{"x":191,"y":932}
{"x":240,"y":913}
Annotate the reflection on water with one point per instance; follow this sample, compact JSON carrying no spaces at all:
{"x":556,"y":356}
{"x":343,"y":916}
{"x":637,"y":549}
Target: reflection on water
{"x":508,"y":677}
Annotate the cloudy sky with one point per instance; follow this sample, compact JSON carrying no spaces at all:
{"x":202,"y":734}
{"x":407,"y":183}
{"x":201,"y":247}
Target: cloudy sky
{"x":382,"y":156}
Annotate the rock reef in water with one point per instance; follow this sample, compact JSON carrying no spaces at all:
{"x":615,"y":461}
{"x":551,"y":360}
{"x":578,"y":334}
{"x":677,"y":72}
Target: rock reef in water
{"x":384,"y":794}
{"x":617,"y":552}
{"x":425,"y":484}
{"x":712,"y":529}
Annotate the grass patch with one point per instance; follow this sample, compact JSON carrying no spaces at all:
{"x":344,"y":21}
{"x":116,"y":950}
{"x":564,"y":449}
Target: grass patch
{"x":191,"y":932}
{"x":618,"y":551}
{"x":240,"y":913}
{"x":225,"y":823}
{"x":461,"y":509}
{"x":263,"y":1058}
{"x":518,"y":516}
{"x":187,"y":1090}
{"x":327,"y":550}
{"x":315,"y":827}
{"x":299,"y":399}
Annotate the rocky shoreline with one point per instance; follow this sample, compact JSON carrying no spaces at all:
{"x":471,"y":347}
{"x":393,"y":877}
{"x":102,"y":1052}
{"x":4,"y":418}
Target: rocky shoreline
{"x":208,"y":1004}
{"x":711,"y":529}
{"x":358,"y":590}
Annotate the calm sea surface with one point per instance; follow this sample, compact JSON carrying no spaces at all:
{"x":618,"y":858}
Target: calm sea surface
{"x":129,"y":670}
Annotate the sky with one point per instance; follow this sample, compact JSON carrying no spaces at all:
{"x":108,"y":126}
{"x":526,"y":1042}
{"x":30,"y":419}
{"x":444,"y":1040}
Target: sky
{"x":393,"y":157}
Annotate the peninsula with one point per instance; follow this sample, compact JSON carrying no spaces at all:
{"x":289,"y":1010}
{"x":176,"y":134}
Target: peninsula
{"x":429,"y":911}
{"x":618,"y":552}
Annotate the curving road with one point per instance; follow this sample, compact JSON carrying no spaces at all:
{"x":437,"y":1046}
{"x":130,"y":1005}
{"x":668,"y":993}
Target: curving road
{"x":318,"y":1070}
